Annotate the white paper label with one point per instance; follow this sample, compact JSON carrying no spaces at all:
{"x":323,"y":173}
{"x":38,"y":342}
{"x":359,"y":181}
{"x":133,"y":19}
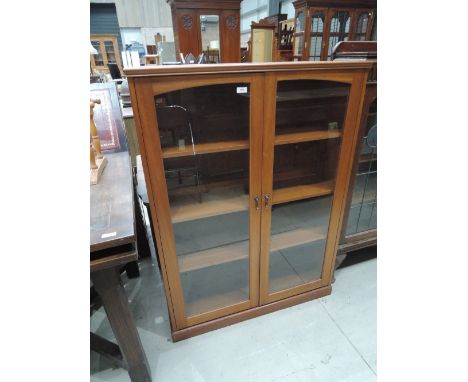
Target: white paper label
{"x":242,"y":90}
{"x":106,"y":235}
{"x":181,"y":144}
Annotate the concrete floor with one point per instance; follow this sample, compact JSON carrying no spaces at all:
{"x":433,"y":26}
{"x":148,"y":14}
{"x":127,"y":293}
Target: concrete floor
{"x":328,"y":339}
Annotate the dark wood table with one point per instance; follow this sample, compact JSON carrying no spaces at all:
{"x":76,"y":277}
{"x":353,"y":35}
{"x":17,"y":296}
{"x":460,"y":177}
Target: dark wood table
{"x":112,"y":245}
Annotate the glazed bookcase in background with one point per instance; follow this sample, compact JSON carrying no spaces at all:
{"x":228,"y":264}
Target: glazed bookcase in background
{"x":247,"y":171}
{"x":321,"y":24}
{"x":359,"y":228}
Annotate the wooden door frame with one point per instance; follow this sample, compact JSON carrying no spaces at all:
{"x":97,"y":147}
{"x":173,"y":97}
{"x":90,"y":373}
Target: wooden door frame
{"x":348,"y":143}
{"x":143,"y":90}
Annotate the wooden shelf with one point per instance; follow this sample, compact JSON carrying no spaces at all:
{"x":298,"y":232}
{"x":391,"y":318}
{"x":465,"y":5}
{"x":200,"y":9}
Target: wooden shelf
{"x":367,"y":158}
{"x":289,"y":194}
{"x":205,"y":148}
{"x":284,"y":139}
{"x":298,"y":95}
{"x":214,"y":256}
{"x":240,"y":250}
{"x":217,"y":201}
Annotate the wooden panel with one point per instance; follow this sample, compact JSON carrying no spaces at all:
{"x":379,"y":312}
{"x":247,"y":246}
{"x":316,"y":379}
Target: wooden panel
{"x":205,"y":148}
{"x":188,"y":32}
{"x":284,"y":139}
{"x":290,"y":194}
{"x":230,"y":36}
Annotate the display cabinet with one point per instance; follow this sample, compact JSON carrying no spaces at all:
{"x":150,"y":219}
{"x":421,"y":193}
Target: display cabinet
{"x":359,"y":228}
{"x":247,"y":168}
{"x":321,"y":24}
{"x":212,"y":27}
{"x":107,"y":51}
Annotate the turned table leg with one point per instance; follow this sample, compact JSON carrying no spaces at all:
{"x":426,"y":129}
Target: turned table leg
{"x":107,"y":284}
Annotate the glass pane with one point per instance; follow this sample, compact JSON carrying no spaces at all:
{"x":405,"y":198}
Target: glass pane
{"x":109,"y":46}
{"x":361,"y":26}
{"x":363,"y":210}
{"x":204,"y":134}
{"x":300,"y":22}
{"x":209,"y":25}
{"x":309,"y":123}
{"x":98,"y":60}
{"x":316,"y":34}
{"x":298,"y":43}
{"x":339,"y":29}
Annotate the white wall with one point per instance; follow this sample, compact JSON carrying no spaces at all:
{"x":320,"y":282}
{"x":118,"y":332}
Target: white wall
{"x":288,"y":7}
{"x":251,"y":10}
{"x":140,"y":20}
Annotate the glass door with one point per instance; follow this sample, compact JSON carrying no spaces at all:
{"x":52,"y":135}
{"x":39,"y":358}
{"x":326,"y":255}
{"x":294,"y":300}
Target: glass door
{"x":308,"y":129}
{"x":362,"y":215}
{"x":208,"y":145}
{"x":299,"y":30}
{"x":317,"y":22}
{"x":339,"y":29}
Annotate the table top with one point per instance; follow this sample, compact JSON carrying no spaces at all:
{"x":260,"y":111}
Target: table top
{"x":111,"y":205}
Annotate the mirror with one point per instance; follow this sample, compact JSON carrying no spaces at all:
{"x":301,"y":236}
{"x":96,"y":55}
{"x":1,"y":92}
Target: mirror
{"x":209,"y":26}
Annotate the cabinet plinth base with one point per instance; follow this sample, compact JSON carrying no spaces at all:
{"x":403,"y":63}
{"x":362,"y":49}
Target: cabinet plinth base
{"x":222,"y":322}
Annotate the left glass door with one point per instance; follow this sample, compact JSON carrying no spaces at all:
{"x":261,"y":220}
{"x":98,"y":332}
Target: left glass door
{"x":205,"y":143}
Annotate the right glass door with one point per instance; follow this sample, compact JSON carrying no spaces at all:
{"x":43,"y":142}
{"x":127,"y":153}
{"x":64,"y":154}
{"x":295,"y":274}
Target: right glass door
{"x":310,"y":115}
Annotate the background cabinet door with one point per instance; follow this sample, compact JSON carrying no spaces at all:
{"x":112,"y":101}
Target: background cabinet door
{"x":210,"y":150}
{"x":339,"y":25}
{"x":302,"y":147}
{"x":316,"y":34}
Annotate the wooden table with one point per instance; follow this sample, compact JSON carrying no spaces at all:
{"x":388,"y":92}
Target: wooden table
{"x":112,"y":245}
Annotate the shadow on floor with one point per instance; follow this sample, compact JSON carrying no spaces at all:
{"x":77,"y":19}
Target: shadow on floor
{"x":359,"y":256}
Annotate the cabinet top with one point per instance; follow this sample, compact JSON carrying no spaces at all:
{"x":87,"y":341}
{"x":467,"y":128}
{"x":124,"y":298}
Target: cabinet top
{"x":164,"y":70}
{"x":336,"y":3}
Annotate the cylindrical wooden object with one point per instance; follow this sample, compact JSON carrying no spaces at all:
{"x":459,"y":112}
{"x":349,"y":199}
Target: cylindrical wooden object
{"x":94,"y":133}
{"x":92,"y":160}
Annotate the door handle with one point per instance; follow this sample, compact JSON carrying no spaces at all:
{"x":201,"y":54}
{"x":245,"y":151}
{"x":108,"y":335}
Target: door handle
{"x":267,"y":200}
{"x":256,"y":202}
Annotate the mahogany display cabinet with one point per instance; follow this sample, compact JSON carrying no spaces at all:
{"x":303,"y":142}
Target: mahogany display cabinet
{"x":321,"y":24}
{"x":207,"y":26}
{"x":247,"y":169}
{"x":359,"y":228}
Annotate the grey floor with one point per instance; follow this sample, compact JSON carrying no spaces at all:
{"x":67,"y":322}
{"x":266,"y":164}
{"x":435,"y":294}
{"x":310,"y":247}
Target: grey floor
{"x":328,"y":339}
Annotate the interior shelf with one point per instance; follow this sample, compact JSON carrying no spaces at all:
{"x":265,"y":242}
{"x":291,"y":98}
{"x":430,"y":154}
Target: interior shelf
{"x":283,"y":139}
{"x":240,"y":250}
{"x":364,"y":158}
{"x":289,"y":194}
{"x":205,"y":148}
{"x":217,"y":201}
{"x":311,"y":94}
